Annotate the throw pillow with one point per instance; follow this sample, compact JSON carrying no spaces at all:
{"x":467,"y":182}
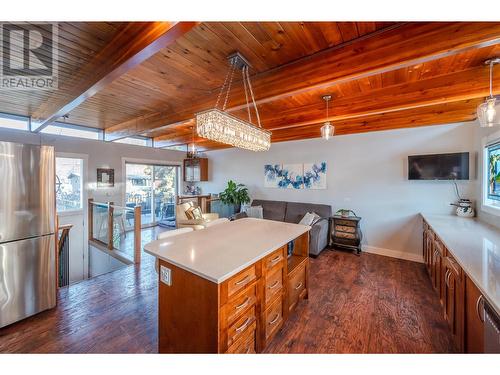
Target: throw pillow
{"x":316,"y":217}
{"x":309,"y":218}
{"x":255,"y":212}
{"x":244,"y":207}
{"x":189,"y":213}
{"x":193,"y":213}
{"x":197,"y":213}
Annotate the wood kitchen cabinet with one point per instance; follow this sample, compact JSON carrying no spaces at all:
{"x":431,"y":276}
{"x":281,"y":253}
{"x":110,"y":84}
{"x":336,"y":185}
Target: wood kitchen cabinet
{"x":433,"y":253}
{"x":454,"y":293}
{"x":427,"y":247}
{"x":195,"y":169}
{"x":448,"y":281}
{"x":474,"y":318}
{"x":461,"y":299}
{"x":436,"y":268}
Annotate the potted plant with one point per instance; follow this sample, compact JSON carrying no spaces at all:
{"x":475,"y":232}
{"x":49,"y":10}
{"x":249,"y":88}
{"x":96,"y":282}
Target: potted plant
{"x":234,"y":195}
{"x":344,"y":212}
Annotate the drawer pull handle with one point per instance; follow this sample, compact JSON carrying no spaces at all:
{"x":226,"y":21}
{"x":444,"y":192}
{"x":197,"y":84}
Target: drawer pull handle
{"x":275,"y":284}
{"x":298,"y":286}
{"x":244,"y":325}
{"x":275,"y":319}
{"x":242,"y":281}
{"x":249,"y":350}
{"x":243,"y":304}
{"x":276,"y":260}
{"x":451,"y":287}
{"x":478,"y":302}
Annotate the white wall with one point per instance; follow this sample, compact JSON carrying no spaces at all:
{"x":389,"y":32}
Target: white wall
{"x":366,"y":173}
{"x":100,"y":155}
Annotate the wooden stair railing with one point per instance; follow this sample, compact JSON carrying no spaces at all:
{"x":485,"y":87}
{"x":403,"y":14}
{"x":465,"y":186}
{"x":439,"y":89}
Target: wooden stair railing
{"x":63,"y":255}
{"x":110,"y":212}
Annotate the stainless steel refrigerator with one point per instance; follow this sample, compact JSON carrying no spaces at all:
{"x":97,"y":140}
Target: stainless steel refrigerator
{"x":27,"y":226}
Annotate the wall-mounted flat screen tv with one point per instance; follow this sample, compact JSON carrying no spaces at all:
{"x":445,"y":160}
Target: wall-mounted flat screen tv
{"x":439,"y":166}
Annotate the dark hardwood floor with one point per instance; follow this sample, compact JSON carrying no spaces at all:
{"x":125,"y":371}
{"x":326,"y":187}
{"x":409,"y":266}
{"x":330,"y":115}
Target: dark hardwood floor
{"x":366,"y":304}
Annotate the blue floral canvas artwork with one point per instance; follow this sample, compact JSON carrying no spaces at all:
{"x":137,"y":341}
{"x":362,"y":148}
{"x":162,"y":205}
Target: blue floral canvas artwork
{"x":272,"y":175}
{"x":315,"y":175}
{"x":295,"y":176}
{"x":292,"y":176}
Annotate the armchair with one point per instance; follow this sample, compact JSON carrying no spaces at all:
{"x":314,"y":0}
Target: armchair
{"x":182,"y":221}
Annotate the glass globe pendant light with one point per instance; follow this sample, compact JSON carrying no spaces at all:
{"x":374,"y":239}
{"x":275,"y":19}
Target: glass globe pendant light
{"x":192,"y":151}
{"x":488,"y":113}
{"x":327,"y":130}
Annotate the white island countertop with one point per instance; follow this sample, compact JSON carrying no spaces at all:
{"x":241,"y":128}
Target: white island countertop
{"x":476,"y":247}
{"x":221,"y":251}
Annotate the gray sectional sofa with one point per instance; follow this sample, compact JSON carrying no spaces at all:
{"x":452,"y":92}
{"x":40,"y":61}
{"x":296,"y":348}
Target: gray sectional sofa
{"x":293,"y":212}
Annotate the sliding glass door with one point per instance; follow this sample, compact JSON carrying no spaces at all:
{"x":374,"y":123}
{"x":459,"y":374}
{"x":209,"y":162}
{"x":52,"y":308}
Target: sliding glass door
{"x":165,"y":185}
{"x":154,"y":188}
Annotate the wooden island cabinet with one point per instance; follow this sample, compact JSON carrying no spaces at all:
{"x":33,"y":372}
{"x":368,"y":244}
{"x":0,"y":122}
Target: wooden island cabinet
{"x":202,"y":312}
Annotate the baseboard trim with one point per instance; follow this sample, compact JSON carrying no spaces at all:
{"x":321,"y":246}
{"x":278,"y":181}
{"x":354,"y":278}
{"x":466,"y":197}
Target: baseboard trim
{"x":393,"y":253}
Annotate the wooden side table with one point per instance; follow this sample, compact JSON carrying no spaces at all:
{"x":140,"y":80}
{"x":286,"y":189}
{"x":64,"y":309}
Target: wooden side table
{"x":346,"y":232}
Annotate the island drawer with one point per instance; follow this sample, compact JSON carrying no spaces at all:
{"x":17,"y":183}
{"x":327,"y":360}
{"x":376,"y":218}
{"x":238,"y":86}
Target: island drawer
{"x":241,"y":326}
{"x":237,"y":305}
{"x":245,"y":344}
{"x":273,"y":318}
{"x":273,"y":284}
{"x":238,"y":282}
{"x":296,"y":285}
{"x":275,"y":259}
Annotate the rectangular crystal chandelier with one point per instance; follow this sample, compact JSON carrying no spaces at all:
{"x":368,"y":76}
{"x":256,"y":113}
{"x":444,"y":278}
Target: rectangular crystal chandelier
{"x":221,"y":127}
{"x":218,"y":125}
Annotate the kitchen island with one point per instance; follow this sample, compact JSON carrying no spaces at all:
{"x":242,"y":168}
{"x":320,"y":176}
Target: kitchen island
{"x":229,"y":288}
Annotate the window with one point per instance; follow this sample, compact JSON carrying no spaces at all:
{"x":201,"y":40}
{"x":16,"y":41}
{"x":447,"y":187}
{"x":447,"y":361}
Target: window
{"x":493,"y":172}
{"x":154,"y":188}
{"x":176,"y":148}
{"x":69,"y":172}
{"x":71,"y":130}
{"x":13,"y":122}
{"x":137,"y":141}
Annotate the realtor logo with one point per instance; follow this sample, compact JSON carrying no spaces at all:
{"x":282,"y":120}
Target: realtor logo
{"x":29,"y":56}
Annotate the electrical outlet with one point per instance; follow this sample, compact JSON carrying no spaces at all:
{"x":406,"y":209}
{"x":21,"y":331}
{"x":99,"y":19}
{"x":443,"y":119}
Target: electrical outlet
{"x":166,"y":275}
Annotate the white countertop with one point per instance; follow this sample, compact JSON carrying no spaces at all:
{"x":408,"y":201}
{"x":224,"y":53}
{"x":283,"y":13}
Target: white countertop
{"x":476,"y":247}
{"x":221,"y":251}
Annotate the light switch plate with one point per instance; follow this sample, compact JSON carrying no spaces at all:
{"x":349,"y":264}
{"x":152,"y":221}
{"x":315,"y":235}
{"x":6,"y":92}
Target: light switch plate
{"x":166,"y":275}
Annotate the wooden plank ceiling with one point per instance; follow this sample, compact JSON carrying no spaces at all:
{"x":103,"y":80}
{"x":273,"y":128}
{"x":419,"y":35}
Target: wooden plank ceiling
{"x":381,"y":76}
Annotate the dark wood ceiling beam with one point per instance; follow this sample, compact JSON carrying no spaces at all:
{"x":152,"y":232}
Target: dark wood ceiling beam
{"x":135,"y":44}
{"x":449,"y":88}
{"x":440,"y":114}
{"x":392,"y":49}
{"x":177,"y":139}
{"x":433,"y":115}
{"x":202,"y":144}
{"x":454,"y":87}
